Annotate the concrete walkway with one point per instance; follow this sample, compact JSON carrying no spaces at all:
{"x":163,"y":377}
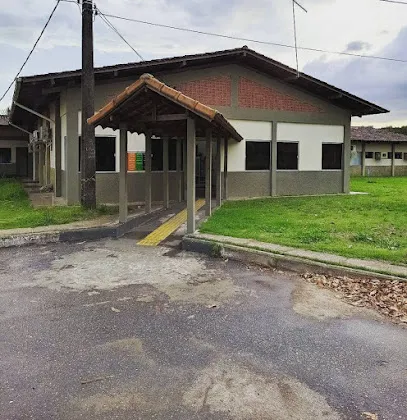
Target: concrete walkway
{"x":355,"y":263}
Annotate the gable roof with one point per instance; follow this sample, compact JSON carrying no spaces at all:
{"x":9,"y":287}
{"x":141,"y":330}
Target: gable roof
{"x":371,"y":134}
{"x":130,"y":105}
{"x":27,"y":88}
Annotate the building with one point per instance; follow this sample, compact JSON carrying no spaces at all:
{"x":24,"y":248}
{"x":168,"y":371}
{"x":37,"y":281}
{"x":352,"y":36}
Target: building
{"x":14,"y":158}
{"x":378,"y":152}
{"x":295,"y":128}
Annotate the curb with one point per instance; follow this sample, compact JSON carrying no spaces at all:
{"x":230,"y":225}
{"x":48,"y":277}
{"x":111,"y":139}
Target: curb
{"x":277,"y":261}
{"x":75,"y":235}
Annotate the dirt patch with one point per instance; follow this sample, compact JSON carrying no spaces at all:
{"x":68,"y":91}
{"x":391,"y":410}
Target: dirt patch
{"x":314,"y":302}
{"x":183,"y":278}
{"x":387,"y":297}
{"x":233,"y":389}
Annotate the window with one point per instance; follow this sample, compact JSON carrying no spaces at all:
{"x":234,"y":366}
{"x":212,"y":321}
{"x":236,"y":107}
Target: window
{"x":105,"y":154}
{"x":332,"y":156}
{"x":5,"y":155}
{"x":287,"y":155}
{"x":257,"y":155}
{"x":398,"y":155}
{"x":156,"y":154}
{"x":389,"y":155}
{"x":369,"y":155}
{"x":172,"y":155}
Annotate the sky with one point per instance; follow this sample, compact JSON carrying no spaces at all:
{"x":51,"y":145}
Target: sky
{"x":368,"y":27}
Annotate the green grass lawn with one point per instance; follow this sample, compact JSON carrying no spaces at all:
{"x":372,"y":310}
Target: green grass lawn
{"x":372,"y":226}
{"x":16,"y":210}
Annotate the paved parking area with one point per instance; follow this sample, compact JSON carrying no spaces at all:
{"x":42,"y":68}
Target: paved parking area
{"x":111,"y":330}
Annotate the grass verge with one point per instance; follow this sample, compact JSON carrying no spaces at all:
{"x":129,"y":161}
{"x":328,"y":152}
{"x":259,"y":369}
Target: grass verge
{"x":16,"y":210}
{"x":372,"y":226}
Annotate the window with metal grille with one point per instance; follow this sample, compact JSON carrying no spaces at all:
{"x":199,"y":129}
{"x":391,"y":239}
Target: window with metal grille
{"x":257,"y":155}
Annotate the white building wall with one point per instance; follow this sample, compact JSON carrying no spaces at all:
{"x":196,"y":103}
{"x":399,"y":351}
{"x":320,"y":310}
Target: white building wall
{"x":135,"y":143}
{"x":310,"y":138}
{"x":250,"y":130}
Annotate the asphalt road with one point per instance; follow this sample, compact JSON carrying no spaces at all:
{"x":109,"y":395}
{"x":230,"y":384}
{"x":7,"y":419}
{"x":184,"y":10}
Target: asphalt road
{"x":109,"y":330}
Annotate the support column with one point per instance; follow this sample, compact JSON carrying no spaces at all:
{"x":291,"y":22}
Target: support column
{"x":363,"y":159}
{"x":393,"y":159}
{"x":35,"y":164}
{"x":218,"y":172}
{"x":123,"y":175}
{"x":184,"y":148}
{"x":57,"y":151}
{"x":147,"y":174}
{"x":273,"y":160}
{"x":225,"y":168}
{"x":346,"y":159}
{"x":191,"y":146}
{"x":41,"y":164}
{"x":179,"y":170}
{"x":47,"y":164}
{"x":208,"y":175}
{"x":166,"y":183}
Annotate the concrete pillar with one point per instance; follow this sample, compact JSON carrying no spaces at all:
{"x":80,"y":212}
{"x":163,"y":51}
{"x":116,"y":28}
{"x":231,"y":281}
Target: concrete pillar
{"x":123,"y":210}
{"x":147,"y":174}
{"x":72,"y":180}
{"x":273,"y":160}
{"x":225,"y":167}
{"x":218,"y":170}
{"x":363,"y":163}
{"x":166,"y":183}
{"x":57,"y":151}
{"x":191,"y":152}
{"x":179,"y":170}
{"x":47,"y":164}
{"x":41,"y":164}
{"x":208,"y":174}
{"x":184,"y":147}
{"x":35,"y":164}
{"x":393,"y":159}
{"x":346,"y":159}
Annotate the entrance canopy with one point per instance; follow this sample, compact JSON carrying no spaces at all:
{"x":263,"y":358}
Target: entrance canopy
{"x":151,"y":107}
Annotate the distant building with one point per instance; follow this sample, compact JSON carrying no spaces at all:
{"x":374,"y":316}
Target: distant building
{"x":378,"y":152}
{"x":14,"y":160}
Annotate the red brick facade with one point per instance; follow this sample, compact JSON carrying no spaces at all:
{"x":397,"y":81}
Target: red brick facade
{"x":215,"y":91}
{"x":255,"y":95}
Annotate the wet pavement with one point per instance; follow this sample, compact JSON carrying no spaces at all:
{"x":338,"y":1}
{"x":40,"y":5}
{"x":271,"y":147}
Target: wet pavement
{"x":110,"y":330}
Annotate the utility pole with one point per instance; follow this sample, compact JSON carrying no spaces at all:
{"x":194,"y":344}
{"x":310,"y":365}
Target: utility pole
{"x":88,"y":154}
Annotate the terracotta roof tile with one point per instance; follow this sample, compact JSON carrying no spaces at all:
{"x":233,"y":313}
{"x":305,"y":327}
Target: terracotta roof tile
{"x":376,"y":135}
{"x":172,"y":94}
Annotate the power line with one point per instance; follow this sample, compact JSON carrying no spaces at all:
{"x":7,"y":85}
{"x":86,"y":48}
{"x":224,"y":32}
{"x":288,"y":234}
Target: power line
{"x":395,"y":1}
{"x":177,"y":28}
{"x":111,"y":26}
{"x":32,"y":50}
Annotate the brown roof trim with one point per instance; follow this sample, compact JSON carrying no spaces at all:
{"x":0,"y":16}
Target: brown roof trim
{"x":325,"y":91}
{"x":147,"y":80}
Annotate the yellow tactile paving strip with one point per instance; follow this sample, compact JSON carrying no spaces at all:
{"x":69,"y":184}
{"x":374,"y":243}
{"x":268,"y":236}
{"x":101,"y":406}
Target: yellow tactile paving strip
{"x":170,"y":226}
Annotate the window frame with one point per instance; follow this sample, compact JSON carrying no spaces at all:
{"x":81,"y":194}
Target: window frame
{"x":11,"y":156}
{"x":371,"y":155}
{"x":298,"y":154}
{"x":400,"y":154}
{"x":269,"y":155}
{"x":115,"y":151}
{"x":341,"y":155}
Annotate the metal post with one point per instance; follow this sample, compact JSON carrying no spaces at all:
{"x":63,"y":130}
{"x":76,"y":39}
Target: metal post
{"x":208,"y":175}
{"x":88,"y":154}
{"x":191,"y":145}
{"x":123,"y":175}
{"x":147,"y":183}
{"x":166,"y":184}
{"x":184,"y":148}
